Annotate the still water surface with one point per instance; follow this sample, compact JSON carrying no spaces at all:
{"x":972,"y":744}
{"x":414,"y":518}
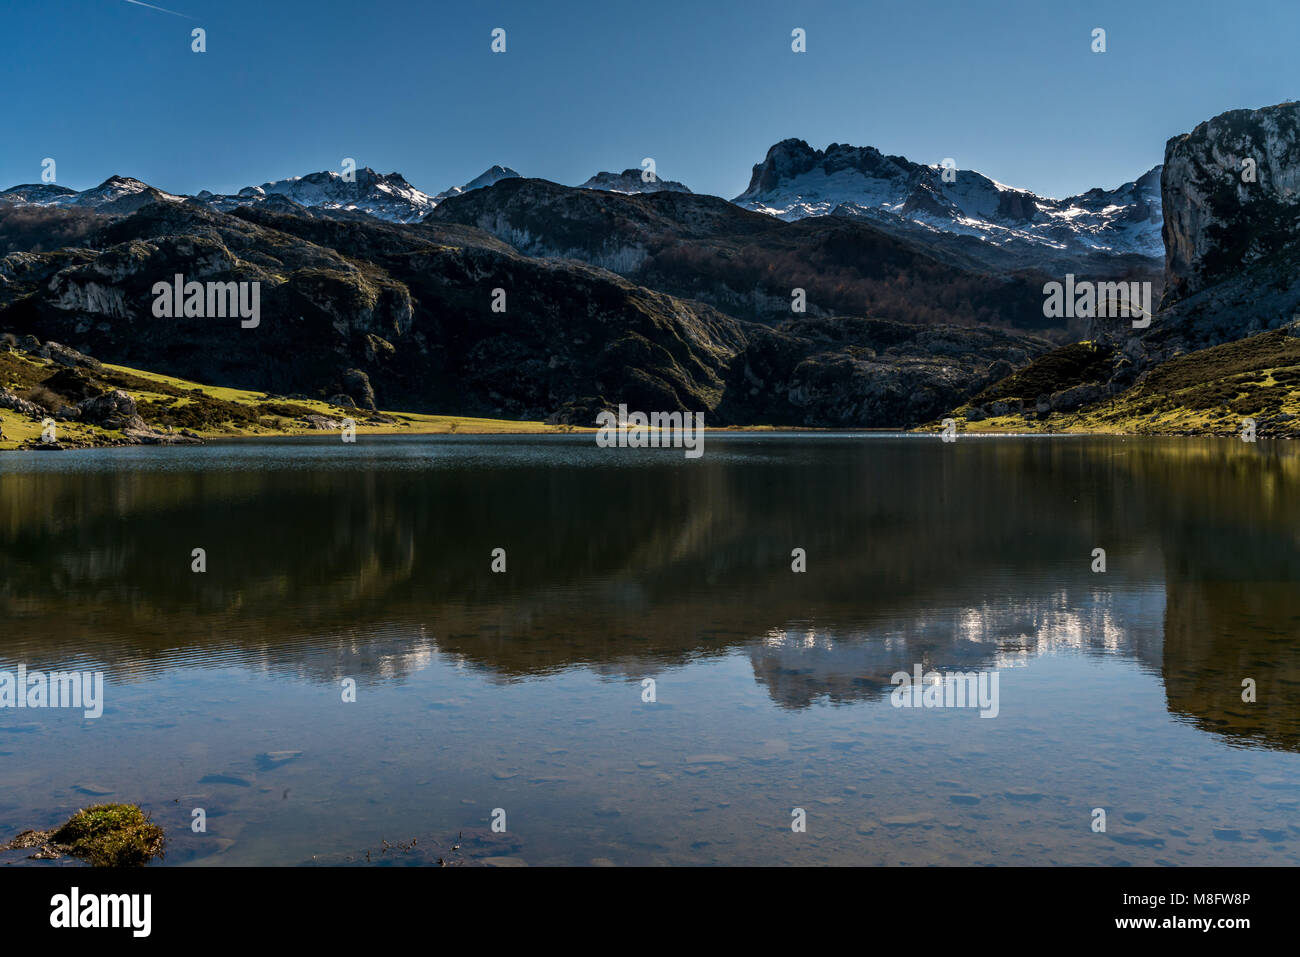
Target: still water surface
{"x":523,"y":691}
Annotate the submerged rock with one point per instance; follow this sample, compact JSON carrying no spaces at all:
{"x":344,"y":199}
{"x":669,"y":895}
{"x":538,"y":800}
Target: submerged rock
{"x":274,"y":759}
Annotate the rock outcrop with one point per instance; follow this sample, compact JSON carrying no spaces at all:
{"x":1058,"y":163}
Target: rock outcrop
{"x":112,"y":410}
{"x":1231,"y":196}
{"x":20,"y":405}
{"x":633,"y":181}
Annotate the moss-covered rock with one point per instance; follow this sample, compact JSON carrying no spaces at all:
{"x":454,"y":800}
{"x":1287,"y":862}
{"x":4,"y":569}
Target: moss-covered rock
{"x":106,"y":835}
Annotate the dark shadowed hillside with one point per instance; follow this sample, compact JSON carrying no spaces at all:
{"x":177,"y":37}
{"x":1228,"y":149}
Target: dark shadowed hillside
{"x":403,"y":314}
{"x":746,"y":263}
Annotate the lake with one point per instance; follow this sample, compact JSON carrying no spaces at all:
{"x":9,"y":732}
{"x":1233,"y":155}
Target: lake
{"x":522,"y":696}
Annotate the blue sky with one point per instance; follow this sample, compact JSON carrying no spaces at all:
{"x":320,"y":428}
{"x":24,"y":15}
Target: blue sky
{"x":286,"y":87}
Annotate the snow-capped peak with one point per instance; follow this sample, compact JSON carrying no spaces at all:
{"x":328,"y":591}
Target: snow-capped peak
{"x":632,"y":181}
{"x":491,"y":175}
{"x":386,"y":196}
{"x":119,"y":194}
{"x":795,"y":181}
{"x":362,"y":192}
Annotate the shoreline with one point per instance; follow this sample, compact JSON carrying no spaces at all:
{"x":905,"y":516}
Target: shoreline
{"x":154,"y":409}
{"x":110,"y":440}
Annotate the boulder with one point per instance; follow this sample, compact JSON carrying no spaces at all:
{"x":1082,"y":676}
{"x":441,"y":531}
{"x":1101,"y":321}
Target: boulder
{"x":998,"y":370}
{"x":357,"y":384}
{"x":112,"y":410}
{"x":1067,"y":400}
{"x":147,"y":436}
{"x":65,"y":356}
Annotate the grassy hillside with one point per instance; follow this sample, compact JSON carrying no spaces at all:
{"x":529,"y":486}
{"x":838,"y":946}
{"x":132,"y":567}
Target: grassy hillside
{"x":208,"y":411}
{"x":1209,"y":391}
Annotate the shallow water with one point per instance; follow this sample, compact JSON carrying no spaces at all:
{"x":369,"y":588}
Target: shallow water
{"x":523,"y":691}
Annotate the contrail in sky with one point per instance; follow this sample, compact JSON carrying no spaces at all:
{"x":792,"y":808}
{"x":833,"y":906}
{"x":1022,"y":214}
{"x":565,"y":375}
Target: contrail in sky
{"x":140,"y":3}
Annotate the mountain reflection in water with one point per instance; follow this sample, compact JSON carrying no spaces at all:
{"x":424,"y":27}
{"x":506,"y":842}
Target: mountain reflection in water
{"x":372,"y":561}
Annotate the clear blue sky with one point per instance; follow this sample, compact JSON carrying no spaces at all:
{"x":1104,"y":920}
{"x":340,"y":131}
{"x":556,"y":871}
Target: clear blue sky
{"x":1008,"y":87}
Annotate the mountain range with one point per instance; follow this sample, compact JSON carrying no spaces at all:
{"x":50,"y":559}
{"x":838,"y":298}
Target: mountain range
{"x":860,"y":290}
{"x":794,"y":181}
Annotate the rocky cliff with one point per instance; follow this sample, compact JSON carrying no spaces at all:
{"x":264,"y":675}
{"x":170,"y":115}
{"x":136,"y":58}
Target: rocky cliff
{"x":1231,"y":196}
{"x":1222,"y":347}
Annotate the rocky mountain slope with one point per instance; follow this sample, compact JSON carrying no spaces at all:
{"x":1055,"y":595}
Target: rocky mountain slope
{"x":1222,"y":348}
{"x":747,"y":264}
